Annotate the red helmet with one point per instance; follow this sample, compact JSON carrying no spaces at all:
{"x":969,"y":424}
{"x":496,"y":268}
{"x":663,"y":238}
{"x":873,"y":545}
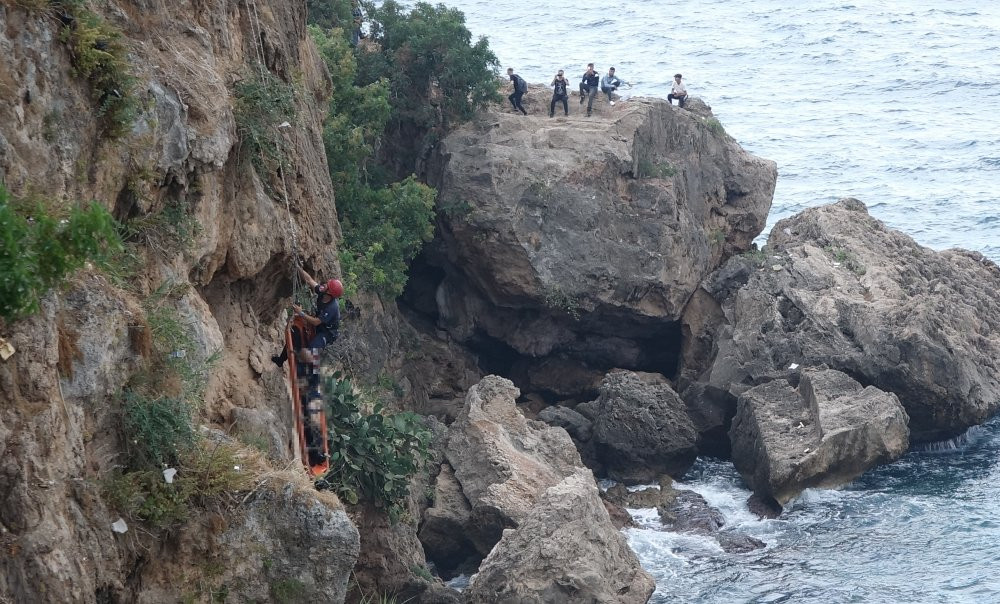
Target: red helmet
{"x":334,"y":288}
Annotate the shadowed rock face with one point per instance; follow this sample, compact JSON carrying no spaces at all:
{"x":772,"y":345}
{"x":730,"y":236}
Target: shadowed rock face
{"x":826,"y":433}
{"x":584,"y":239}
{"x":836,"y":287}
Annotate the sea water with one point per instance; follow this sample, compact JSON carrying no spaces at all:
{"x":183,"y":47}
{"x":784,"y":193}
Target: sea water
{"x":894,"y":102}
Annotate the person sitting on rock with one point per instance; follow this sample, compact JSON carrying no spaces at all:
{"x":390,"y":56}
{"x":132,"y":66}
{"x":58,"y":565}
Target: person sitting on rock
{"x":609,"y":84}
{"x":326,"y":321}
{"x":560,"y":92}
{"x":520,"y":87}
{"x":588,"y":86}
{"x":678,"y":91}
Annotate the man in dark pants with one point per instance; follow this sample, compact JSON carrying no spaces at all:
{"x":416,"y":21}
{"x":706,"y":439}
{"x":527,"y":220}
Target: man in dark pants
{"x":588,"y":86}
{"x":520,"y":87}
{"x":560,"y":92}
{"x":677,"y":91}
{"x":326,"y":321}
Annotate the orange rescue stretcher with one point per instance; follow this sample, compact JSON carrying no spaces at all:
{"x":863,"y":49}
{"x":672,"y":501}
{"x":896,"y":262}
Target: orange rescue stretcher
{"x":307,"y":403}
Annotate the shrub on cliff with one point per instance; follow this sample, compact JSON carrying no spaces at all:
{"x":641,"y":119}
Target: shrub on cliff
{"x":41,"y":244}
{"x":373,"y":454}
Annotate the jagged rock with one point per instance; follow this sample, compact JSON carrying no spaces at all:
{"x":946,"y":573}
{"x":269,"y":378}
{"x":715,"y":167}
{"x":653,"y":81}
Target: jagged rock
{"x":261,"y":429}
{"x":584,"y":244}
{"x":620,"y":517}
{"x":711,"y":410}
{"x":651,"y":497}
{"x":260,"y":549}
{"x":738,"y":543}
{"x":590,"y":409}
{"x":445,"y":526}
{"x":868,"y":301}
{"x":642,"y":429}
{"x":763,"y":507}
{"x":579,"y":428}
{"x":565,"y":550}
{"x":503,"y":461}
{"x":826,"y":432}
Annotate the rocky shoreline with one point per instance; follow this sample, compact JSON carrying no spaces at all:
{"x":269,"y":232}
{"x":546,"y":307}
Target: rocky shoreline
{"x":592,"y":307}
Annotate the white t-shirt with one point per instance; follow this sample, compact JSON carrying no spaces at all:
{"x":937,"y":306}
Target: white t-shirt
{"x":679,"y":88}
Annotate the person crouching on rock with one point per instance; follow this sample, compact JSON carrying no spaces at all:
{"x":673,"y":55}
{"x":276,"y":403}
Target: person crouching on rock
{"x":609,"y":84}
{"x":326,"y":321}
{"x":560,"y":92}
{"x":677,"y":91}
{"x":520,"y":87}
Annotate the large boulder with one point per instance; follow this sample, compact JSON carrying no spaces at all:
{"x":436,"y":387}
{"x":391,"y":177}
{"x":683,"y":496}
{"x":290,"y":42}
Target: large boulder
{"x":445,"y":526}
{"x":836,"y":287}
{"x":584,"y":243}
{"x":642,"y":430}
{"x":565,"y":550}
{"x":503,"y":461}
{"x":824,"y":433}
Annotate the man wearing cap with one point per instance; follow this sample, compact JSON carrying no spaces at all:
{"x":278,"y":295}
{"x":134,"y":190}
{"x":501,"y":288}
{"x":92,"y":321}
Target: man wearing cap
{"x":678,"y":91}
{"x":326,"y":321}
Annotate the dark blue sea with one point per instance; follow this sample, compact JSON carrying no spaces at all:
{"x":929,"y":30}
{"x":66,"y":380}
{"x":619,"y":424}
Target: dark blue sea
{"x":894,"y":102}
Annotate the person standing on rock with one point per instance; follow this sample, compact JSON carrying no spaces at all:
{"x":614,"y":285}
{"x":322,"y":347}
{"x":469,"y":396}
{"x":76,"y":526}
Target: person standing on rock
{"x":560,"y":92}
{"x":520,"y":87}
{"x":588,"y":86}
{"x":326,"y":321}
{"x":609,"y":84}
{"x":357,"y":17}
{"x":678,"y":91}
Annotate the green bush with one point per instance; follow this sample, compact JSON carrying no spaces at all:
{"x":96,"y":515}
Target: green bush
{"x":648,"y":169}
{"x":372,"y":455}
{"x":383,"y":231}
{"x":100,"y":56}
{"x":38,"y":249}
{"x":263,"y":102}
{"x":715,"y":126}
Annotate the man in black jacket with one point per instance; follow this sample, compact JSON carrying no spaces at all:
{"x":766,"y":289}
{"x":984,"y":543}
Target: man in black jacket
{"x":588,"y":86}
{"x":520,"y":87}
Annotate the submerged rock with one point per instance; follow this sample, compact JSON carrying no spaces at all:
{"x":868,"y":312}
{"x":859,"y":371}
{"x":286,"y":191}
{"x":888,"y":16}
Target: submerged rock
{"x":642,"y":430}
{"x":565,"y":550}
{"x":824,"y":433}
{"x":868,"y":301}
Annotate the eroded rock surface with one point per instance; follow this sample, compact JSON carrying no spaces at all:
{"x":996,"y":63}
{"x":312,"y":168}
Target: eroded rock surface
{"x":836,"y":287}
{"x":824,"y":433}
{"x":564,"y":550}
{"x":642,"y":429}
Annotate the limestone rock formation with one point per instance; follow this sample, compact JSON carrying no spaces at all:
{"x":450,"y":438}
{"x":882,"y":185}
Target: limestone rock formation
{"x":503,"y":461}
{"x":642,"y":429}
{"x":824,"y":433}
{"x":445,"y":525}
{"x":836,"y":287}
{"x":582,"y":240}
{"x":259,"y":552}
{"x":564,"y":550}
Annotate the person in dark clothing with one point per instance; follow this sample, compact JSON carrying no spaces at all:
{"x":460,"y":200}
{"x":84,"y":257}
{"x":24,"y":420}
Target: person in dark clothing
{"x":520,"y":87}
{"x":326,"y":321}
{"x":357,"y":16}
{"x":588,"y":86}
{"x":560,"y":92}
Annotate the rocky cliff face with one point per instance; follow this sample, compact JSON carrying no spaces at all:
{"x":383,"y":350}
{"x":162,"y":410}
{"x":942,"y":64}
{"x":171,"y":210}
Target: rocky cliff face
{"x":56,"y":419}
{"x":576,"y":242}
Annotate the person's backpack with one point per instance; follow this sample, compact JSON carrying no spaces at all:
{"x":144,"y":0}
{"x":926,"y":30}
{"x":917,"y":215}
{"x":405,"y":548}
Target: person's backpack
{"x":520,"y":84}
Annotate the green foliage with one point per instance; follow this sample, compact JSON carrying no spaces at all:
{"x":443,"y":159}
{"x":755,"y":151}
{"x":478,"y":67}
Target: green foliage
{"x":204,"y":472}
{"x":421,"y":571}
{"x":100,"y":56}
{"x":847,"y":260}
{"x":159,"y":429}
{"x":715,"y":126}
{"x":329,"y":14}
{"x":383,"y":230}
{"x":455,"y":208}
{"x":648,"y":169}
{"x":38,"y":248}
{"x":757,"y":257}
{"x":284,"y":591}
{"x":717,"y":237}
{"x":556,"y":299}
{"x":372,"y":455}
{"x":173,"y":228}
{"x":263,"y":102}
